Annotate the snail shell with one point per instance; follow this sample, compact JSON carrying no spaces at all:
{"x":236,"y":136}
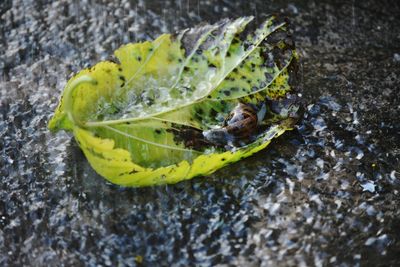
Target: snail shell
{"x":240,"y":125}
{"x":241,"y":122}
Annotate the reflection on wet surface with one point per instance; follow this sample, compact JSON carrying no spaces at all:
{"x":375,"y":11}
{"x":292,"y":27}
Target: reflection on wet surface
{"x":326,"y":193}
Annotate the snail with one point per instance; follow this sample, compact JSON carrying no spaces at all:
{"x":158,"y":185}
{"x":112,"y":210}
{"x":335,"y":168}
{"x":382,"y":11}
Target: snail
{"x":239,"y":126}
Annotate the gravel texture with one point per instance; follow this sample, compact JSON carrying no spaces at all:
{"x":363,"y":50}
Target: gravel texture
{"x":324,"y":194}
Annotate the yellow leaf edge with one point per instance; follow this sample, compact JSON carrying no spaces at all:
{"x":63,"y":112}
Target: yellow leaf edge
{"x":116,"y":165}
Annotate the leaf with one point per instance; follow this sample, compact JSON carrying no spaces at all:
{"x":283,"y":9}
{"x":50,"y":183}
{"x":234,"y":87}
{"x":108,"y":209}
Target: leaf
{"x":152,"y":117}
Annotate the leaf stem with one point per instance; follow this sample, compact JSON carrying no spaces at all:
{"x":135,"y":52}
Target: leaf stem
{"x":68,"y":101}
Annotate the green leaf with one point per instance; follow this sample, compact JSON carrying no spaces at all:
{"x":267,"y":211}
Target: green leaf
{"x":161,"y":114}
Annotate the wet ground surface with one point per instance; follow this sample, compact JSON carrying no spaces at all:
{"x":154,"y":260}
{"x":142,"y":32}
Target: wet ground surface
{"x":326,"y":193}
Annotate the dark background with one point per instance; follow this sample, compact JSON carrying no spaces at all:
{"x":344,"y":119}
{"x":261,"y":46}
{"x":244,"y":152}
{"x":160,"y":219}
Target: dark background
{"x":326,"y":193}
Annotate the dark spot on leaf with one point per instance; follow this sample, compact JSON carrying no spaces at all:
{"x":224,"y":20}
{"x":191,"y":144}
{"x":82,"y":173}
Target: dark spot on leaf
{"x":187,"y":89}
{"x":133,"y":171}
{"x":227,"y":93}
{"x":149,"y":101}
{"x":213,"y":113}
{"x":158,"y":131}
{"x":122,"y":78}
{"x":139,"y":58}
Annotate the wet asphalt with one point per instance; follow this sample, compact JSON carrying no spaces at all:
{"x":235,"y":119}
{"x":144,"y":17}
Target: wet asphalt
{"x":324,"y":194}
